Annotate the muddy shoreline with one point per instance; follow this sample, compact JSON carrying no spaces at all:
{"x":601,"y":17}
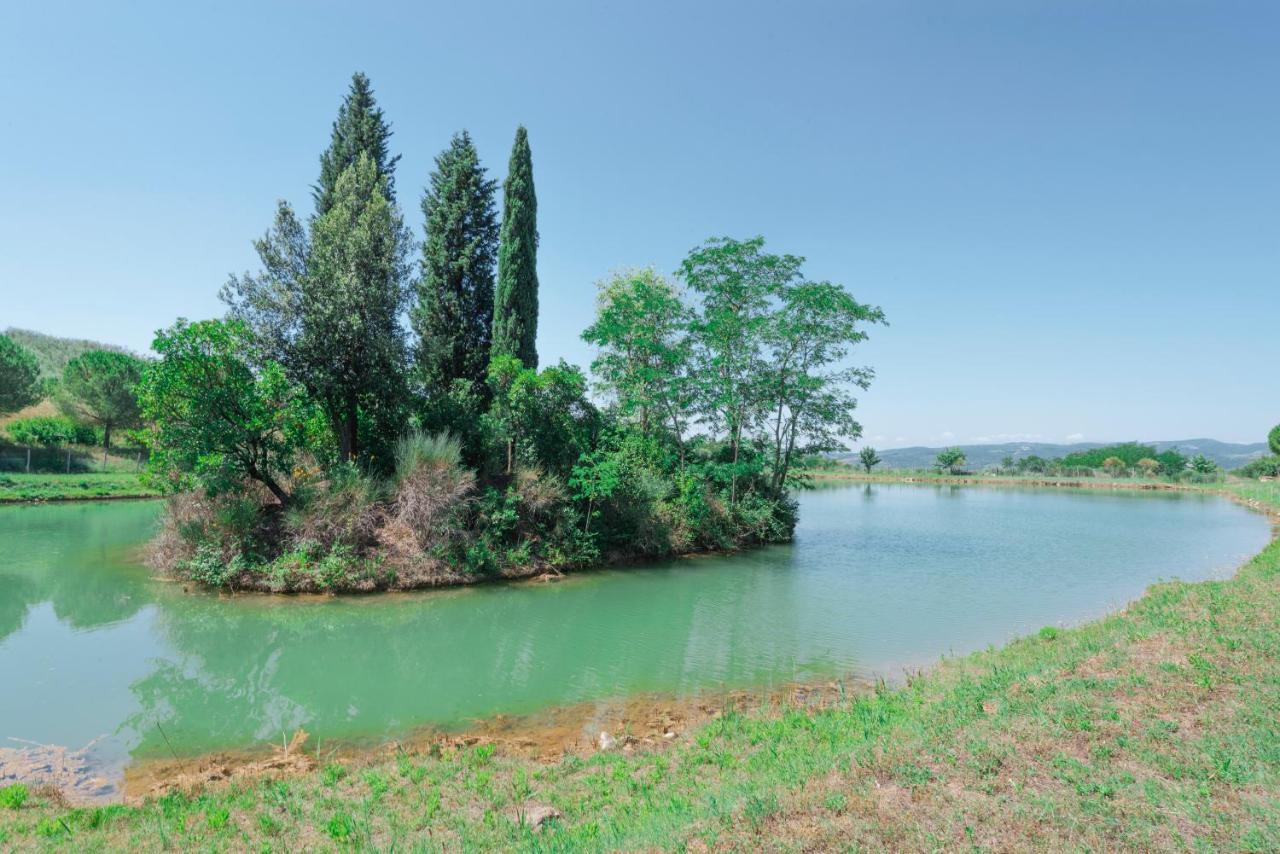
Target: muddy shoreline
{"x":644,"y":722}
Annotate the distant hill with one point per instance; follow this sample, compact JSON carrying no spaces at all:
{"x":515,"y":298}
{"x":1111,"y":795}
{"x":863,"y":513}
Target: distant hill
{"x":52,"y":352}
{"x":1229,"y":455}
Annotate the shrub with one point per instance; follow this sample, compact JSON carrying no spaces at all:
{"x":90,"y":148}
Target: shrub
{"x":431,"y":490}
{"x":212,"y":538}
{"x":344,"y":510}
{"x":51,"y":430}
{"x":1265,"y":467}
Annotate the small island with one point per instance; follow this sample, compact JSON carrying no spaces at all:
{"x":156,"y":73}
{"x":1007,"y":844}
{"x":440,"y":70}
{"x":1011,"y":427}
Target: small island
{"x":370,"y":414}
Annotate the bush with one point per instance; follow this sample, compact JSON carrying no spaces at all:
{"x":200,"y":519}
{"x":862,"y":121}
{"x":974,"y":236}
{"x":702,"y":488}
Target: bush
{"x":52,"y":430}
{"x":344,"y":510}
{"x":431,"y":491}
{"x":1265,"y":467}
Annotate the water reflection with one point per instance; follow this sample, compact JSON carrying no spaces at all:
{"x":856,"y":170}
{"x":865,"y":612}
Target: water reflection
{"x":880,"y":577}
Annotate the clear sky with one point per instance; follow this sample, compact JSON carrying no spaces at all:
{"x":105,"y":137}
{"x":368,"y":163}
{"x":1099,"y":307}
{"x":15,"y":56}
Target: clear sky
{"x":1070,"y":211}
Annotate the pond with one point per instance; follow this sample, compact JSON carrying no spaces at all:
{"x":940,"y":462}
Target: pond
{"x":880,"y":578}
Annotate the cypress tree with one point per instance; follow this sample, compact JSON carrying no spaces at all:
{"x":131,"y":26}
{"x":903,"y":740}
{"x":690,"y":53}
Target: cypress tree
{"x":360,"y":127}
{"x":515,"y":319}
{"x":453,"y":316}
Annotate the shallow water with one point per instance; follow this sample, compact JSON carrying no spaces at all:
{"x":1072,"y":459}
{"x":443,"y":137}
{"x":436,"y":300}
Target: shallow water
{"x":880,"y":578}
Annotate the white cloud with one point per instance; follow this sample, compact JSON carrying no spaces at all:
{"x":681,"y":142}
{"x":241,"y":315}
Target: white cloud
{"x":1075,"y":437}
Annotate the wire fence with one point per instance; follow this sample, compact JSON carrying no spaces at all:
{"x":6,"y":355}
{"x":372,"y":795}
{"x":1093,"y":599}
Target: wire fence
{"x":41,"y":459}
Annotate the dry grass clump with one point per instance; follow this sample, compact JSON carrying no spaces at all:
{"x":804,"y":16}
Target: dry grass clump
{"x":431,"y":491}
{"x":227,"y":524}
{"x":345,"y":510}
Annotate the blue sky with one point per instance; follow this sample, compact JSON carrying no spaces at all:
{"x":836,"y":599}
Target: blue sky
{"x":1068,"y":210}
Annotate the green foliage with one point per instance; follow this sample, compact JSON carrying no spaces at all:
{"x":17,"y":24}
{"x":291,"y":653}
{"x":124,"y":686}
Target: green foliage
{"x":641,"y":330}
{"x":1128,"y":453}
{"x":453,"y":315}
{"x":1034,"y":464}
{"x":868,"y":458}
{"x":51,"y":431}
{"x":53,"y":353}
{"x":1201,"y":464}
{"x":1264,"y":467}
{"x":1273,"y":440}
{"x":217,"y":422}
{"x":360,"y":129}
{"x":950,"y":460}
{"x":13,"y":796}
{"x":101,"y":387}
{"x":326,"y":307}
{"x":543,"y":417}
{"x":769,"y":349}
{"x":417,"y":449}
{"x":19,"y":376}
{"x":1172,"y":462}
{"x":515,"y":314}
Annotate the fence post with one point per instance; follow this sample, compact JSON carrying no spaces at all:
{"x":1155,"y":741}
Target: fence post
{"x":28,"y":460}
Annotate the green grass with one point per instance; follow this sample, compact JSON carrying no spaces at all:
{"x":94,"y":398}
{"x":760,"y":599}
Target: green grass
{"x":1153,"y":729}
{"x":59,"y":487}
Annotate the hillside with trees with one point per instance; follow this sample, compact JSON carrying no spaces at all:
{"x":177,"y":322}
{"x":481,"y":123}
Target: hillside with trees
{"x":53,"y":353}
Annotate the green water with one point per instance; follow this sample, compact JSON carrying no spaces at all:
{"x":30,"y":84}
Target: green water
{"x":879,"y":578}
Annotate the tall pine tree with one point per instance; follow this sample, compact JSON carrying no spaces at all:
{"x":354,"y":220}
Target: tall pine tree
{"x":453,"y":316}
{"x":515,"y":318}
{"x":360,"y":127}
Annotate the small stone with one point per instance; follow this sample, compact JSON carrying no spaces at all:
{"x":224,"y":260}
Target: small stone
{"x":606,"y":741}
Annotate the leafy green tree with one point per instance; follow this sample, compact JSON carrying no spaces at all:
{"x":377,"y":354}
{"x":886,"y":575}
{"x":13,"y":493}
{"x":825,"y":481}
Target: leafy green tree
{"x":868,"y":458}
{"x":644,"y":361}
{"x":215,"y":420}
{"x":736,"y":282}
{"x":1172,"y":462}
{"x":1273,"y":440}
{"x":543,"y":417}
{"x":99,"y":387}
{"x":515,"y":311}
{"x":327,"y":305}
{"x":1127,"y":452}
{"x":360,"y":128}
{"x":803,"y":379}
{"x":1034,"y":463}
{"x":1113,"y":465}
{"x":951,"y":460}
{"x":1200,"y":464}
{"x":351,"y":339}
{"x":19,"y":376}
{"x":453,"y":315}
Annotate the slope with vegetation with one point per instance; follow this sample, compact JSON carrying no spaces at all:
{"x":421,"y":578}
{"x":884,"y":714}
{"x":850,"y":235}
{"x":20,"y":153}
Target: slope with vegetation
{"x":52,"y":353}
{"x":311,"y":444}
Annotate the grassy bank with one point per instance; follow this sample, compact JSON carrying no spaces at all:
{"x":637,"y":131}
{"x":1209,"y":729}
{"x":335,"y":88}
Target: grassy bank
{"x":1151,"y":729}
{"x":70,"y":487}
